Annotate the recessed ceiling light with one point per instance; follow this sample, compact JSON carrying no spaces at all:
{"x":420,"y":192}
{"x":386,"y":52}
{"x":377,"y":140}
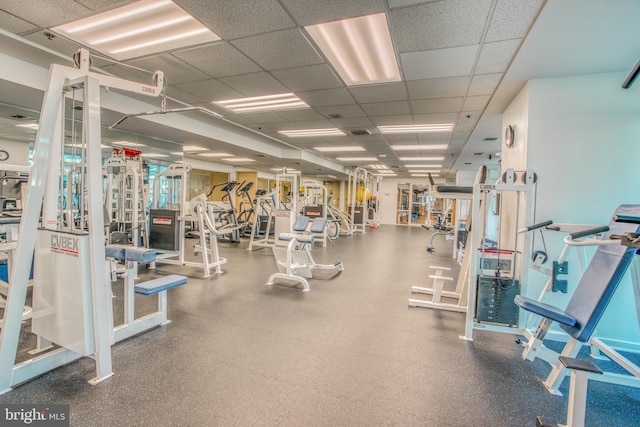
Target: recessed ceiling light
{"x":214,"y":154}
{"x":281,"y":101}
{"x":298,"y":133}
{"x":421,"y":159}
{"x":128,"y":144}
{"x":177,"y":153}
{"x":360,"y":49}
{"x":419,"y":175}
{"x":417,"y":147}
{"x":138,"y":29}
{"x":193,"y":148}
{"x":239,"y":159}
{"x":444,"y":127}
{"x":340,"y":149}
{"x":356,"y":159}
{"x":386,"y":172}
{"x":379,"y":166}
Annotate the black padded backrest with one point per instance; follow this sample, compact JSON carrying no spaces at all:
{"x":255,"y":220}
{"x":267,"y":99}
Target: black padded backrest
{"x":601,"y":279}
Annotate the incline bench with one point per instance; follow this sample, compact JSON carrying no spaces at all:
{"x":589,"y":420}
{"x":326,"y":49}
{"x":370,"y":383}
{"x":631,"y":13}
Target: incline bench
{"x":587,"y":305}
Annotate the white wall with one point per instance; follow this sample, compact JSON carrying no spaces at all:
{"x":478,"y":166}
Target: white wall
{"x":18,"y":152}
{"x":581,"y":135}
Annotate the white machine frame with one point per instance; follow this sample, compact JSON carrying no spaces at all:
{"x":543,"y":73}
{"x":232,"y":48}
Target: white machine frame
{"x":43,"y":193}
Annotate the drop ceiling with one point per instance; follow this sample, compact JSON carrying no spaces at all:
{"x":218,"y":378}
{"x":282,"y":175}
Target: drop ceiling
{"x":461,"y":62}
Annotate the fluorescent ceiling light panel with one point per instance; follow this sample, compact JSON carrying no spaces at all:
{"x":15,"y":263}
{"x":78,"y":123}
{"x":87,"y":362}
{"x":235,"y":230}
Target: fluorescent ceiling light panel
{"x":418,"y":175}
{"x":339,"y":149}
{"x":288,"y":170}
{"x":29,"y":125}
{"x":186,"y":148}
{"x":128,"y":144}
{"x":418,"y":147}
{"x":137,"y":29}
{"x":239,"y":159}
{"x":423,"y":166}
{"x":356,"y":159}
{"x":379,"y":166}
{"x":300,"y":133}
{"x":421,"y":159}
{"x":360,"y":49}
{"x":215,"y":154}
{"x":281,"y":101}
{"x":422,"y":171}
{"x":386,"y":172}
{"x":443,"y":127}
{"x":153,"y":155}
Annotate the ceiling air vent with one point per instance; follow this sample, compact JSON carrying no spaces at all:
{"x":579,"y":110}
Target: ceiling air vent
{"x":360,"y":132}
{"x":490,"y":139}
{"x":478,"y":154}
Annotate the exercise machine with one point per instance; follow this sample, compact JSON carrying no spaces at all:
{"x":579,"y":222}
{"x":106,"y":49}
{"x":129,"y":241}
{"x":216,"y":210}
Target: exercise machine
{"x":293,"y":255}
{"x":126,"y":198}
{"x":169,"y":215}
{"x":262,"y":228}
{"x":74,"y":311}
{"x":589,"y":301}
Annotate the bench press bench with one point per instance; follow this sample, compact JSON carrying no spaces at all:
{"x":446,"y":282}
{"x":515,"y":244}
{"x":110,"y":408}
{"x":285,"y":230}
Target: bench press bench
{"x":158,"y":286}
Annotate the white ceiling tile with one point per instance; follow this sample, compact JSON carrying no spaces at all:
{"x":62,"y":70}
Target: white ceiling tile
{"x":402,"y":3}
{"x":438,"y":88}
{"x":279,"y":50}
{"x":238,"y":18}
{"x":254,"y":84}
{"x":46,"y":13}
{"x":209,"y":90}
{"x":175,"y":70}
{"x":496,"y":57}
{"x":512,"y":19}
{"x":440,"y":138}
{"x":387,"y":108}
{"x":484,"y":84}
{"x":14,"y":24}
{"x":352,"y":110}
{"x":174,"y":92}
{"x":317,"y":11}
{"x":218,"y":60}
{"x":476,"y":102}
{"x":380,"y":93}
{"x":266,"y":117}
{"x":300,"y":115}
{"x":100,"y":5}
{"x":440,"y":105}
{"x":462,"y":135}
{"x":307,"y":78}
{"x":351,"y":122}
{"x":436,"y":118}
{"x":433,"y":64}
{"x":327,"y":97}
{"x":392,"y":120}
{"x":400,"y":138}
{"x":439,"y":24}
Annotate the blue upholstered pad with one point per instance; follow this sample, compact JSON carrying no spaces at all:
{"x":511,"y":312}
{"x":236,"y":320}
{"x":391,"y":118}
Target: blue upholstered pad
{"x":545,"y":310}
{"x":154,"y":286}
{"x":116,"y":252}
{"x":139,"y":255}
{"x":318,"y":225}
{"x":300,"y":223}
